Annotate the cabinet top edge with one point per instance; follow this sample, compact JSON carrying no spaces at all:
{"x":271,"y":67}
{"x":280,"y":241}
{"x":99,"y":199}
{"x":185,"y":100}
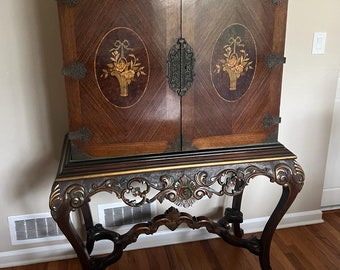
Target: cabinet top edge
{"x":70,"y":170}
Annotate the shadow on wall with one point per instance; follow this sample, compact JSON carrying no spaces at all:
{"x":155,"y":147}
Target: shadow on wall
{"x":49,"y":35}
{"x":43,"y":166}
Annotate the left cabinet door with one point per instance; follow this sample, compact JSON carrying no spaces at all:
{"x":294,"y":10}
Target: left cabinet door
{"x":115,"y":66}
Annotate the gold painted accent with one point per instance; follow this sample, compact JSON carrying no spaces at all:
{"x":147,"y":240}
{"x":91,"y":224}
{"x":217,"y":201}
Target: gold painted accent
{"x":54,"y":196}
{"x":299,"y":171}
{"x":124,"y":68}
{"x":147,"y":59}
{"x":174,"y":167}
{"x":236,"y":61}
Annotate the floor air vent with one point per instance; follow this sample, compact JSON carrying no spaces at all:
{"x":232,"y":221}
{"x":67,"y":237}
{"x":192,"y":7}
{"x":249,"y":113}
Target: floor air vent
{"x":117,"y":214}
{"x":33,"y":229}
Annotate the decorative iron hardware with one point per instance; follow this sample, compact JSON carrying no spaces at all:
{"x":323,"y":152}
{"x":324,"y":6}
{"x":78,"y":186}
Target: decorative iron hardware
{"x":83,"y":135}
{"x":76,"y":70}
{"x":77,"y":154}
{"x":71,"y":3}
{"x":272,"y":136}
{"x":270,"y":120}
{"x":273,"y":60}
{"x":180,"y":67}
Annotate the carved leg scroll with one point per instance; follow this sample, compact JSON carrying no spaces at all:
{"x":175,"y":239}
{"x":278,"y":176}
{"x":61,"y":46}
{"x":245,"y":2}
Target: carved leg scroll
{"x":66,"y":198}
{"x":60,"y":210}
{"x":291,"y":177}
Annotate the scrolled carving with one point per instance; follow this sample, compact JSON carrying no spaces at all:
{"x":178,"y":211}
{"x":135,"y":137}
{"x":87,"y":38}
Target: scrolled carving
{"x":167,"y":181}
{"x":171,"y":219}
{"x":55,"y":198}
{"x":106,"y":185}
{"x":179,"y":192}
{"x":181,"y":189}
{"x":185,"y":189}
{"x":202,"y":179}
{"x":184,"y":192}
{"x":299,"y":172}
{"x":283,"y":174}
{"x":136,"y":188}
{"x":232,"y":182}
{"x":76,"y":195}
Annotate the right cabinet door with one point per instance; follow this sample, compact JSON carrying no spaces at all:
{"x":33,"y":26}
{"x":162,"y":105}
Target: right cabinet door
{"x":235,"y":96}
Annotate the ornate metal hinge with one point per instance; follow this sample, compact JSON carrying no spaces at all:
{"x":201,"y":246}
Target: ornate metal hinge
{"x":71,"y":3}
{"x":83,"y":135}
{"x":273,"y":60}
{"x":76,"y":70}
{"x":77,"y":154}
{"x":270,"y":120}
{"x":272,"y":137}
{"x":181,"y":67}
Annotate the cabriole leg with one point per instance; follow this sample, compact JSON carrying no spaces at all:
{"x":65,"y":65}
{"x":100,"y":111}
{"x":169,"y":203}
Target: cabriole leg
{"x":60,"y":210}
{"x":291,"y":177}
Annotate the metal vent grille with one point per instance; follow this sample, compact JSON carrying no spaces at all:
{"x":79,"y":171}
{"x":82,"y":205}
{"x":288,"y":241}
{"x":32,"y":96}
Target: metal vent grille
{"x":115,"y":215}
{"x":33,"y":228}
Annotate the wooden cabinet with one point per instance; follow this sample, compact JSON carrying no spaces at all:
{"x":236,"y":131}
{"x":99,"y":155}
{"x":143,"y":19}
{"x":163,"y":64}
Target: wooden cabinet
{"x":117,"y":56}
{"x":171,"y":100}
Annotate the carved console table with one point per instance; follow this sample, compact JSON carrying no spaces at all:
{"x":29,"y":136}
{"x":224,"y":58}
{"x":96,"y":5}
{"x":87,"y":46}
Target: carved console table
{"x":180,"y":178}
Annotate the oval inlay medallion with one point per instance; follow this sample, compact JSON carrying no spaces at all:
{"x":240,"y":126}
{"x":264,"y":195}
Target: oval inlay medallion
{"x":233,"y":62}
{"x":122,"y":67}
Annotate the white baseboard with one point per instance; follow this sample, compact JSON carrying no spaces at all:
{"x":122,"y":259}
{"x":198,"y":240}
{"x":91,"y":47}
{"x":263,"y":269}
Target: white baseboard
{"x":330,"y":197}
{"x":330,"y":208}
{"x":162,"y":238}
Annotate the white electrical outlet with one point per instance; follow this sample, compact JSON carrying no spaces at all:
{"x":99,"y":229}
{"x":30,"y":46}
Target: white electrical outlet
{"x":319,"y":43}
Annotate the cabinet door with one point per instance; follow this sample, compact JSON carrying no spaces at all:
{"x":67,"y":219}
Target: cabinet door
{"x":235,"y":96}
{"x":115,"y":62}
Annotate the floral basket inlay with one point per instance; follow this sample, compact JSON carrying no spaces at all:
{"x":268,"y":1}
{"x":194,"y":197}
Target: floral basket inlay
{"x":124,"y":68}
{"x":236,"y":61}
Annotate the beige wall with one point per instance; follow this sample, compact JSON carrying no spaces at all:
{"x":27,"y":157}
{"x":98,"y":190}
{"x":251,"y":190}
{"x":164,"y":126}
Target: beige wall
{"x":309,"y":88}
{"x":33,"y":106}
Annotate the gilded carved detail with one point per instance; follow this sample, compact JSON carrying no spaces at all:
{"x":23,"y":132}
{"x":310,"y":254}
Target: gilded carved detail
{"x":180,"y":188}
{"x":299,"y":172}
{"x":285,"y":175}
{"x":76,"y":193}
{"x":54,"y":197}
